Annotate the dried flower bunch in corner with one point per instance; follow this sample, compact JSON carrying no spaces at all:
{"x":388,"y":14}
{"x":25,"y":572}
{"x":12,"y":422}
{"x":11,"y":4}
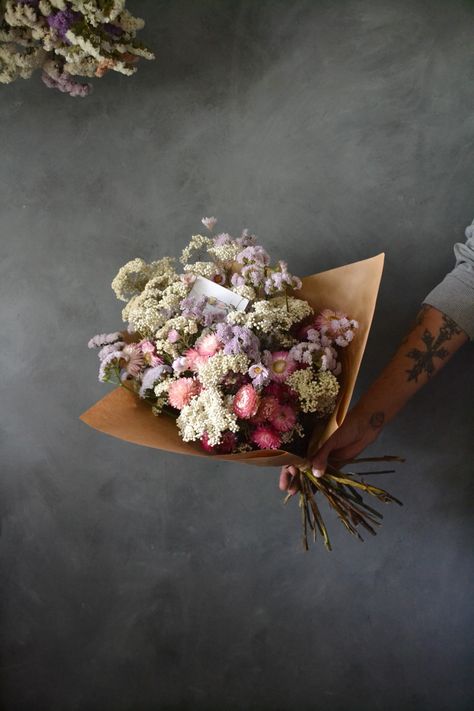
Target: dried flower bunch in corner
{"x":83,"y":38}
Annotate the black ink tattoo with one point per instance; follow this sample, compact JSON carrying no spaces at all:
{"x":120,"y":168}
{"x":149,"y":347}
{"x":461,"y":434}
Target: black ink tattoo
{"x":424,"y":360}
{"x":376,"y":420}
{"x":418,"y":321}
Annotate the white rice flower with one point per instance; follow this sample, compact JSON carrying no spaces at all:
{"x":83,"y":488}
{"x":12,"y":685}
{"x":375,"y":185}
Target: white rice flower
{"x":214,"y":370}
{"x":206,"y":414}
{"x":196,"y":242}
{"x":317,"y":392}
{"x":274,"y":314}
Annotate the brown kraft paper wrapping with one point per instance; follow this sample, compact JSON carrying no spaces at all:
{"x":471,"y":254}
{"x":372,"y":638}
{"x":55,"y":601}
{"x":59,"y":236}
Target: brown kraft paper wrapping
{"x":352,"y":288}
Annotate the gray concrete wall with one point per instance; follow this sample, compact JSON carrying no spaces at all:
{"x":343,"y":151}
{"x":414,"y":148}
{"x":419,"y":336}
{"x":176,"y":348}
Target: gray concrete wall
{"x":134,"y":580}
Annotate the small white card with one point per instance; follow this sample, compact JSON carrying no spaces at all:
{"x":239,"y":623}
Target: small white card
{"x":218,"y":297}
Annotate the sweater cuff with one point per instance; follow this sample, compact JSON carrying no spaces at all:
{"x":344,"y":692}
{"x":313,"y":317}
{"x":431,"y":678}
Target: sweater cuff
{"x":454,"y":298}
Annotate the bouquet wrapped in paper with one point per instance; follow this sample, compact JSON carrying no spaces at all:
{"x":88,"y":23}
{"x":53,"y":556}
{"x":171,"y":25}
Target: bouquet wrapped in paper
{"x":235,"y":358}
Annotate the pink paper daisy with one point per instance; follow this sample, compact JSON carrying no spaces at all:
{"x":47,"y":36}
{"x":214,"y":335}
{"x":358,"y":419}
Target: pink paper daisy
{"x":246,"y":402}
{"x":225,"y":446}
{"x":194,"y":360}
{"x":208,"y":345}
{"x":149,"y":354}
{"x":284,"y":419}
{"x":266,"y":437}
{"x":181,"y":391}
{"x":280,"y":365}
{"x":134,"y":360}
{"x":267,"y":409}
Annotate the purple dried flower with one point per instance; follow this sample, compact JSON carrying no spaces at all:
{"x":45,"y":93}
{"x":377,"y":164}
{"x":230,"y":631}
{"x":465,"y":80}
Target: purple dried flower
{"x":238,"y":339}
{"x":193,"y":307}
{"x":63,"y":82}
{"x":62,"y":21}
{"x":254,"y":253}
{"x":151,"y":376}
{"x":221,"y":239}
{"x":114,"y":30}
{"x":103,"y":339}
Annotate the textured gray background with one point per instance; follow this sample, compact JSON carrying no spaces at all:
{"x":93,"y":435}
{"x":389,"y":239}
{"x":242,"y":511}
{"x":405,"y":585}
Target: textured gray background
{"x":134,"y":580}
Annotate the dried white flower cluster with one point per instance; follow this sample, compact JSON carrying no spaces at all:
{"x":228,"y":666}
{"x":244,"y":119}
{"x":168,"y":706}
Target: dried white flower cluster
{"x":234,"y":379}
{"x":74,"y":38}
{"x":279,"y":313}
{"x":206,"y":414}
{"x":317,"y":392}
{"x":215,"y":368}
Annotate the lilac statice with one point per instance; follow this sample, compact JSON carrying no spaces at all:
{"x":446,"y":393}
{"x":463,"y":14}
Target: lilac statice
{"x":253,"y":274}
{"x":62,"y":81}
{"x":303,"y":352}
{"x":245,"y":239}
{"x":193,"y":307}
{"x":110,"y":348}
{"x":254,"y":254}
{"x":239,"y":339}
{"x":223,"y":238}
{"x":103,"y":339}
{"x":280,"y":279}
{"x":151,"y":376}
{"x":109,"y":366}
{"x":113,"y":29}
{"x":196,"y":307}
{"x":62,"y":21}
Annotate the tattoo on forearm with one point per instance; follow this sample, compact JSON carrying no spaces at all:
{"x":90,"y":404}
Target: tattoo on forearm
{"x":418,"y":321}
{"x":424,"y":360}
{"x":376,"y":420}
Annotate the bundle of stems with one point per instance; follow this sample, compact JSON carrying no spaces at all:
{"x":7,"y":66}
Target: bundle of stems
{"x":342,"y":491}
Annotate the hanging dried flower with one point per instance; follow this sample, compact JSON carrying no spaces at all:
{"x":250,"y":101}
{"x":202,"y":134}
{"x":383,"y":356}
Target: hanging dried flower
{"x":68,"y":39}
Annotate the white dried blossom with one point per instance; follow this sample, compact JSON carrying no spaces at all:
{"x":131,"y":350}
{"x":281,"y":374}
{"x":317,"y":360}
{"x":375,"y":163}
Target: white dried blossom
{"x":162,"y":387}
{"x":204,"y":269}
{"x":317,"y":392}
{"x":132,"y":278}
{"x":196,"y":242}
{"x":206,"y":414}
{"x":153,"y":307}
{"x":214,"y":370}
{"x":226,"y":252}
{"x":246,"y":292}
{"x":279,"y":313}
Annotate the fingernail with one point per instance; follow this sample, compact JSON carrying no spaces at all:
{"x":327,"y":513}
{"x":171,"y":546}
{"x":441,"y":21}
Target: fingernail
{"x":318,"y":472}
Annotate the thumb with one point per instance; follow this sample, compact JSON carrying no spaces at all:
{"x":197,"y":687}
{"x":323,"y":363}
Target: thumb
{"x":320,"y":459}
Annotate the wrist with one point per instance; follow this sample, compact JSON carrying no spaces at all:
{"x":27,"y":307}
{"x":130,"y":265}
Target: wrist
{"x":372,"y":419}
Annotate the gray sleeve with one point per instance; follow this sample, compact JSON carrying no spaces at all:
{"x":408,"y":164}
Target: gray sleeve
{"x":454,"y":296}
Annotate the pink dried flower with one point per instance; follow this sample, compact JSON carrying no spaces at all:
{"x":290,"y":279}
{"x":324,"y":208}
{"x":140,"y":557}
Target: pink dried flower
{"x":266,"y":437}
{"x":336,"y":325}
{"x":181,"y":391}
{"x":284,"y":419}
{"x":194,"y":360}
{"x":173,"y":336}
{"x":267,"y":409}
{"x":246,"y":402}
{"x":149,"y":354}
{"x":209,"y":222}
{"x":282,"y":392}
{"x":134,"y":360}
{"x":208,"y":345}
{"x":225,"y":446}
{"x":280,"y":365}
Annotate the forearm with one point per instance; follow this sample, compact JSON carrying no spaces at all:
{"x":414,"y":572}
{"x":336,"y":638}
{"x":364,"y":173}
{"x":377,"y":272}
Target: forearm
{"x":427,"y":348}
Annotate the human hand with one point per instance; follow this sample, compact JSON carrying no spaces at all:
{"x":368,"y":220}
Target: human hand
{"x":359,"y":429}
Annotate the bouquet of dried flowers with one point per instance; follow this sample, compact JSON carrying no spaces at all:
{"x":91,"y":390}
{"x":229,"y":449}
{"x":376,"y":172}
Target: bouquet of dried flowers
{"x":68,"y":38}
{"x":245,"y":366}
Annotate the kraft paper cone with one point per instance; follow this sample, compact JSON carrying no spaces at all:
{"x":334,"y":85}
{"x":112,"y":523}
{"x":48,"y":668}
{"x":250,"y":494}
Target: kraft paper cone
{"x":352,"y":288}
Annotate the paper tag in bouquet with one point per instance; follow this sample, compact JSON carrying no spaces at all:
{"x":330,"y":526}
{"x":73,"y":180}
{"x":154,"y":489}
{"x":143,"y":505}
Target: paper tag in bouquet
{"x":218,"y":298}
